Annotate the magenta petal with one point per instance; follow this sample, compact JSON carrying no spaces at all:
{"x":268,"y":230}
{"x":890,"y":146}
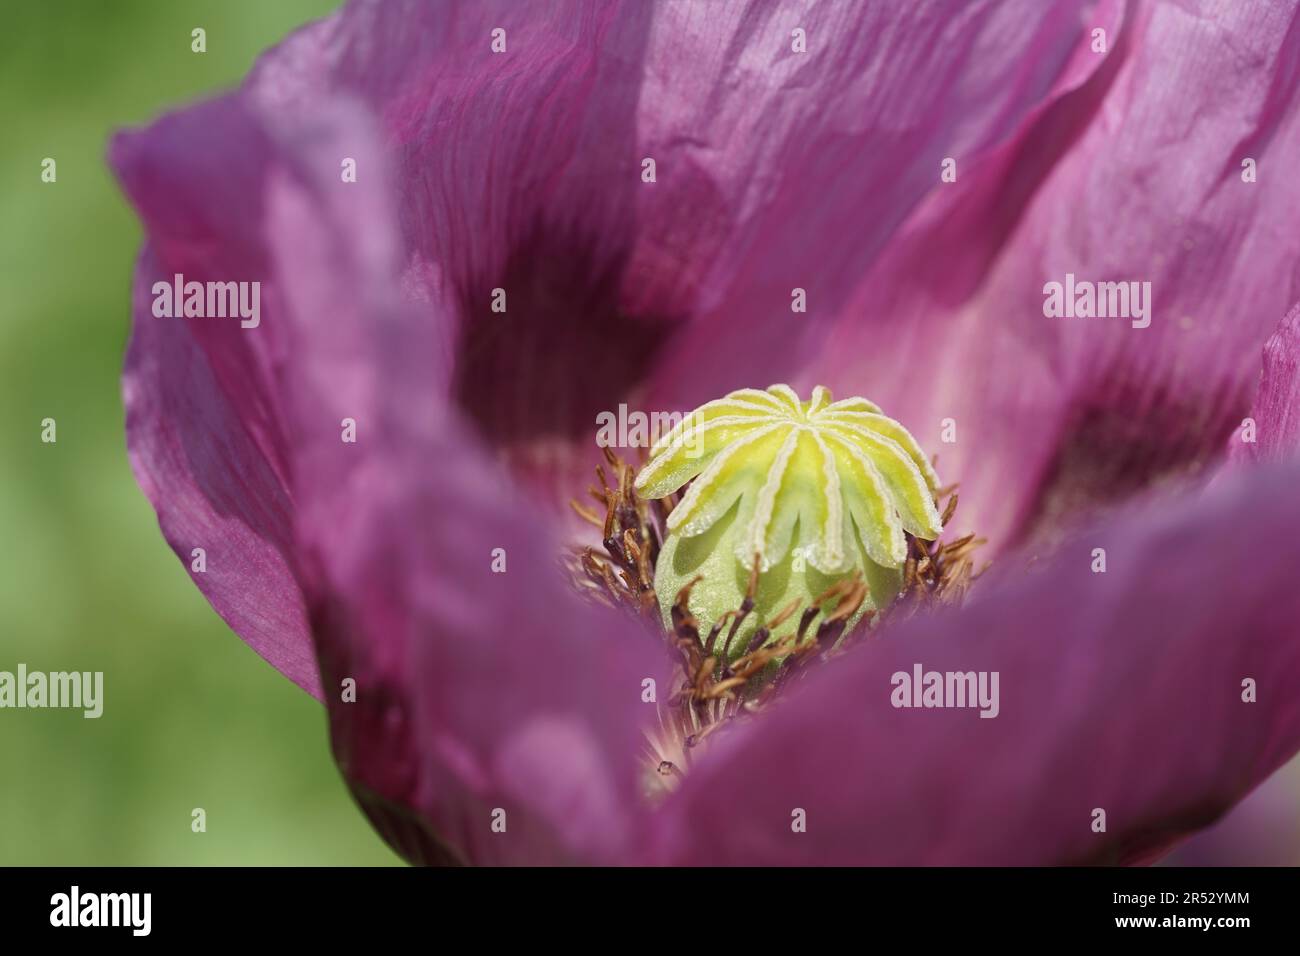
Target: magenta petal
{"x":213,"y":486}
{"x":818,"y":160}
{"x":1120,"y":691}
{"x":486,"y":691}
{"x":203,"y":423}
{"x":478,"y":688}
{"x":774,"y":169}
{"x":520,"y":171}
{"x":205,"y":417}
{"x":1136,"y":175}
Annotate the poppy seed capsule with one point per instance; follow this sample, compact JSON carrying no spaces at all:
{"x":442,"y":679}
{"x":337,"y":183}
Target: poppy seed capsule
{"x":787,"y":498}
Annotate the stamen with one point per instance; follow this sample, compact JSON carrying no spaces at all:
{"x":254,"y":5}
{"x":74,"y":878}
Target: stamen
{"x":739,"y":673}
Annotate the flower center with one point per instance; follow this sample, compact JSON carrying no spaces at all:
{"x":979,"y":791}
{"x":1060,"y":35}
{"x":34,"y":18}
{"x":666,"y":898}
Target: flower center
{"x":766,"y":533}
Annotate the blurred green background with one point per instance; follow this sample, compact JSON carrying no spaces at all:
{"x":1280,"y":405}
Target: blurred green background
{"x":192,"y":717}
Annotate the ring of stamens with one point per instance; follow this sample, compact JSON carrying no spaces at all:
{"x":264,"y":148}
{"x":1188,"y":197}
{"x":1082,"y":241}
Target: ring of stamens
{"x":711,"y":692}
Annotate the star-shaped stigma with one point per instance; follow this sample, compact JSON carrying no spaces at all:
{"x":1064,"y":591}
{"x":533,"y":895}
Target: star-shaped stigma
{"x":815,"y":473}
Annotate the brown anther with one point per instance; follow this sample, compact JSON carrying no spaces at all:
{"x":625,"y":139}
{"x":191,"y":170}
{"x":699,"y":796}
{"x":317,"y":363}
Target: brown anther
{"x":684,"y":623}
{"x":784,"y":614}
{"x":806,"y":618}
{"x":852,"y":601}
{"x":949,"y":510}
{"x":757,"y":639}
{"x":829,"y":632}
{"x":716,"y":629}
{"x":585,"y":513}
{"x":935,"y":573}
{"x":746,"y":606}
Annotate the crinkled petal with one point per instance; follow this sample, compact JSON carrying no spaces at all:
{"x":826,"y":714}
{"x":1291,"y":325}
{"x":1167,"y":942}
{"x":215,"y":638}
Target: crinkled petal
{"x":818,"y":159}
{"x":1119,"y":691}
{"x":1134,"y":176}
{"x":516,"y":171}
{"x":773,"y":169}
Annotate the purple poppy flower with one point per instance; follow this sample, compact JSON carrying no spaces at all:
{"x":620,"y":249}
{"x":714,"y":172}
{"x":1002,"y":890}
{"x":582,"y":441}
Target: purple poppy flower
{"x":920,"y":172}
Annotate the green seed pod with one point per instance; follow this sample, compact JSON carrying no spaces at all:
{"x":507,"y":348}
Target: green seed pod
{"x":809,"y":493}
